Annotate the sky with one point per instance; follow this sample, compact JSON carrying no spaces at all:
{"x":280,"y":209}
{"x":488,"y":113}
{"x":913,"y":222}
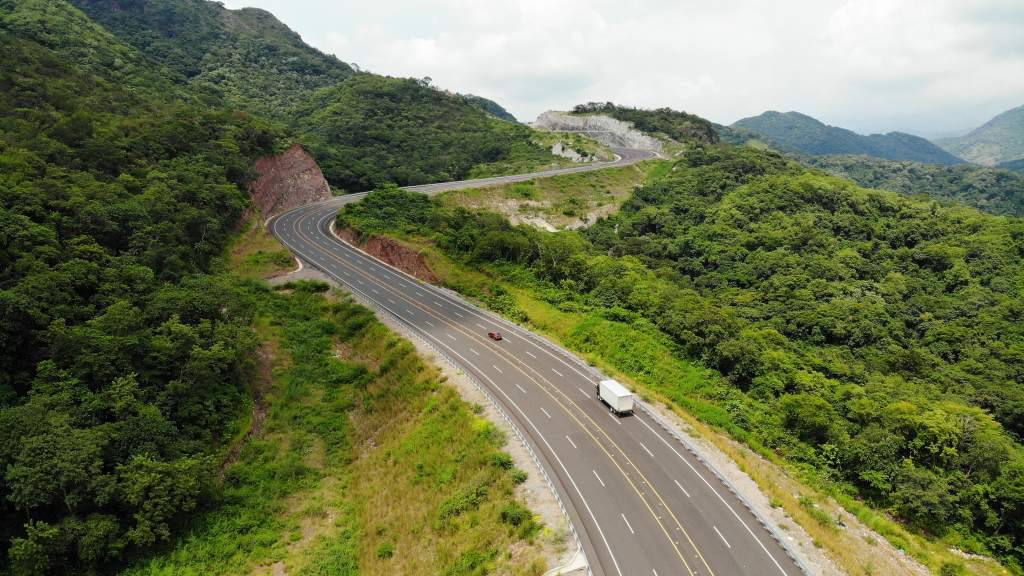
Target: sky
{"x":929,"y":67}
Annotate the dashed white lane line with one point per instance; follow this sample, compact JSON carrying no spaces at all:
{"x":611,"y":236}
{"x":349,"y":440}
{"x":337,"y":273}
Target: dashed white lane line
{"x":557,"y":372}
{"x":545,"y":412}
{"x":681,"y":488}
{"x":496,"y":368}
{"x":598,"y":478}
{"x":646,"y":449}
{"x":481,"y":326}
{"x":627,"y":523}
{"x":571,"y":442}
{"x":374,"y":290}
{"x":360,"y":281}
{"x":459,"y":315}
{"x":530,"y":355}
{"x":615,"y":418}
{"x":408,"y":311}
{"x":429,"y":323}
{"x":655,"y":572}
{"x":584,"y":392}
{"x":727,"y":545}
{"x":474,"y":351}
{"x":438,"y":303}
{"x":418,"y":293}
{"x":521,"y":389}
{"x":450,"y":336}
{"x":392,"y":301}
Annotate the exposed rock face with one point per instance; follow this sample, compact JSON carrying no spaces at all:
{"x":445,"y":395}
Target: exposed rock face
{"x":604,"y":129}
{"x":288,"y":180}
{"x":566,"y":151}
{"x":392,"y":252}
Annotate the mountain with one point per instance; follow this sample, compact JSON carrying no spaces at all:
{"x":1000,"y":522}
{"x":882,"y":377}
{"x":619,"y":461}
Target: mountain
{"x":1015,"y":165}
{"x":368,"y":129}
{"x":799,"y":132}
{"x":994,"y":190}
{"x":1001,"y":139}
{"x":679,"y":126}
{"x":490,"y":106}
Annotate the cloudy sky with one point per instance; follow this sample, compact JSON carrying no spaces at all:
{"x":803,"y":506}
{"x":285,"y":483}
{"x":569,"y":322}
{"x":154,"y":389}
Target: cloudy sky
{"x":924,"y":66}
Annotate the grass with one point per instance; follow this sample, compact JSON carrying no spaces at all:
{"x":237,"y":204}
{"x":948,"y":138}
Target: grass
{"x":364,"y":463}
{"x":255,"y":253}
{"x":569,"y":200}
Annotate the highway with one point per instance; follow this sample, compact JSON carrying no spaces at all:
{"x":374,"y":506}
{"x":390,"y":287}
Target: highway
{"x":640,"y":501}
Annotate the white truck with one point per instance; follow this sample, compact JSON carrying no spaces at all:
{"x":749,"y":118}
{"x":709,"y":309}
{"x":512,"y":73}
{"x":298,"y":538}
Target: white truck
{"x":616,"y":396}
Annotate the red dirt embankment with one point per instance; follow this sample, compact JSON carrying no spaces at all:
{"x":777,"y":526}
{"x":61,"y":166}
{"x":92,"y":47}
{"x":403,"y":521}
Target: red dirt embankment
{"x":287,"y":180}
{"x":393,"y":252}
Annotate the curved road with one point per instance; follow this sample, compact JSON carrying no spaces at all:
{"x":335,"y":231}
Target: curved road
{"x":641,"y":503}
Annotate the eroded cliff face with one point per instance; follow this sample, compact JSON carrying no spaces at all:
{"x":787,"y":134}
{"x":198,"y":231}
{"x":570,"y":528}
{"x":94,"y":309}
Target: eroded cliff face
{"x":604,"y":129}
{"x":288,"y":180}
{"x":394,"y":253}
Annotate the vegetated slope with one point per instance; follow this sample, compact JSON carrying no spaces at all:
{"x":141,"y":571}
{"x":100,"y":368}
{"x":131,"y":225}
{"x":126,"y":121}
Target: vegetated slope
{"x":122,"y":362}
{"x":870,"y":337}
{"x":490,"y":106}
{"x":1001,"y":139}
{"x":994,"y":190}
{"x":679,"y":126}
{"x":795,"y":131}
{"x":368,"y":129}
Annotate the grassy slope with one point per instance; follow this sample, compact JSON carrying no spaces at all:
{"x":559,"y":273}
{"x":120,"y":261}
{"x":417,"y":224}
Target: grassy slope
{"x":562,"y":201}
{"x":348,"y":404}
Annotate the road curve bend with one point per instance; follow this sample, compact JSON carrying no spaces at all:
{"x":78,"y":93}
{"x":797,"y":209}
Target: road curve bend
{"x":640,"y":501}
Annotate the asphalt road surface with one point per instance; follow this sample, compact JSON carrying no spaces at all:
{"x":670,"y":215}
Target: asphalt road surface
{"x":640,"y":502}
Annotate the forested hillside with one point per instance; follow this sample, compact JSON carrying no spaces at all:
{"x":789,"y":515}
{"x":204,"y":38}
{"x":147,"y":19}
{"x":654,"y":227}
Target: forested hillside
{"x":364,"y":129}
{"x":995,"y":190}
{"x":122,"y":362}
{"x":799,"y":132}
{"x":679,"y":126}
{"x":871,"y":337}
{"x":999,"y":140}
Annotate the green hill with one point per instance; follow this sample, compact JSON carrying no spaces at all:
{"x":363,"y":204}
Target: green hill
{"x":258,"y":65}
{"x":1001,"y":139}
{"x":1015,"y":165}
{"x":490,"y":106}
{"x":799,"y":132}
{"x":995,"y":190}
{"x":679,"y":126}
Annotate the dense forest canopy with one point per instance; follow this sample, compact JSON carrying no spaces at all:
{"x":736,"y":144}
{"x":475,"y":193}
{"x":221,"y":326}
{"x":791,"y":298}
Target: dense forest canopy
{"x":364,"y":129}
{"x":679,"y":126}
{"x":122,"y":362}
{"x":873,"y":337}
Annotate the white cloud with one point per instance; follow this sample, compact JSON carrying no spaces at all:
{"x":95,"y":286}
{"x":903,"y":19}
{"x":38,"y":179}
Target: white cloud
{"x":871,"y":65}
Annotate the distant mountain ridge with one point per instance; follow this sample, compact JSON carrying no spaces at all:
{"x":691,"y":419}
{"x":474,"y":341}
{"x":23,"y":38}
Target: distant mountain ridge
{"x":998,"y":141}
{"x":802,"y":133}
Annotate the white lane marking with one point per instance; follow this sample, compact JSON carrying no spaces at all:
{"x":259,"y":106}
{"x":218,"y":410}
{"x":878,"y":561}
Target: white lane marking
{"x":474,"y":351}
{"x":583,"y":391}
{"x":498,"y":369}
{"x":481,"y":326}
{"x":418,"y":293}
{"x":429,"y":323}
{"x":557,"y":372}
{"x":545,"y":412}
{"x":654,"y":571}
{"x":571,"y":442}
{"x":598,"y":478}
{"x":727,"y":545}
{"x":530,"y":355}
{"x":681,"y":488}
{"x":358,"y":280}
{"x":521,"y":389}
{"x":374,"y":290}
{"x":701,"y":476}
{"x":646,"y":449}
{"x":408,"y":311}
{"x":438,"y":303}
{"x":450,"y":336}
{"x":459,"y":315}
{"x":616,"y":418}
{"x":392,"y":301}
{"x":626,"y":521}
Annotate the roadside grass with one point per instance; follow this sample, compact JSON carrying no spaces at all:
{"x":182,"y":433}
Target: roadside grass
{"x":255,"y":253}
{"x":361,"y":461}
{"x":576,"y":141}
{"x":636,"y":353}
{"x":570,"y":200}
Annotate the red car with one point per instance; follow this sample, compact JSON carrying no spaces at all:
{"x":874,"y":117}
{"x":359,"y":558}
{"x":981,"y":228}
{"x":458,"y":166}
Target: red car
{"x":494,"y":335}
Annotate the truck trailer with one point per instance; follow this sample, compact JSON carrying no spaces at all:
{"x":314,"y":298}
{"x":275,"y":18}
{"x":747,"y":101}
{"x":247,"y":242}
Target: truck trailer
{"x":616,"y":396}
